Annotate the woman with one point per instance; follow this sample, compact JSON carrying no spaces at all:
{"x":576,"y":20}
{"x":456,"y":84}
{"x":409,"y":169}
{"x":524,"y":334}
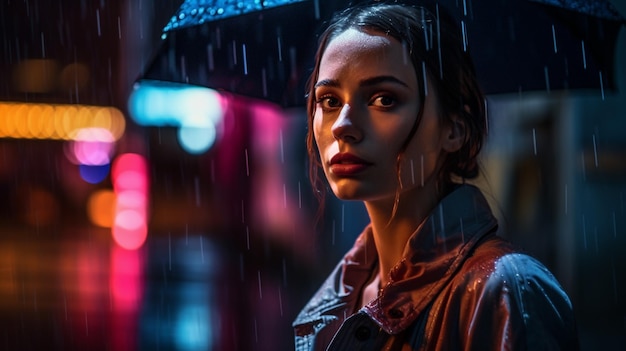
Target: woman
{"x":396,"y":120}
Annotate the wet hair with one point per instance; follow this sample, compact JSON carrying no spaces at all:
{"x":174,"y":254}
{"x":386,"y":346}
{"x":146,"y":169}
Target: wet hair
{"x":436,"y":49}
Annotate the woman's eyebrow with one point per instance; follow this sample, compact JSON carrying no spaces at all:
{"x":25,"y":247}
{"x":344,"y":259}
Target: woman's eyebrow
{"x":382,"y":79}
{"x":365,"y":82}
{"x":327,"y":83}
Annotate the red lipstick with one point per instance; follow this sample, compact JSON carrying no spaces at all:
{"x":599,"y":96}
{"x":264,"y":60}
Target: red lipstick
{"x":346,"y":164}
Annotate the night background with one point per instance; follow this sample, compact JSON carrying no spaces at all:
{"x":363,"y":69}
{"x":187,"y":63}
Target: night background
{"x":140,"y":213}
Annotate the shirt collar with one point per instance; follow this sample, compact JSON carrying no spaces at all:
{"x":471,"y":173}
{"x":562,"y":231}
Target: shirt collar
{"x":432,"y":256}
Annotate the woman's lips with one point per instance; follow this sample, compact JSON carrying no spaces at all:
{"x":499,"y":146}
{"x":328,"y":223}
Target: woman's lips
{"x":346,"y":164}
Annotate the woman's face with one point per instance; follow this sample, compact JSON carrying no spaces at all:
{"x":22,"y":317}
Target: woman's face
{"x":367,"y":101}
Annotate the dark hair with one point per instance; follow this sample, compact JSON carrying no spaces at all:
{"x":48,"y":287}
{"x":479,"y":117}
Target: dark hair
{"x":437,"y":50}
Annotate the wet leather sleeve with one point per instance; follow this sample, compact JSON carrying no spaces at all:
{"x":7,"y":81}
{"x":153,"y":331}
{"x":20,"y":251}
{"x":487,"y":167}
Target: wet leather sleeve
{"x":514,"y":304}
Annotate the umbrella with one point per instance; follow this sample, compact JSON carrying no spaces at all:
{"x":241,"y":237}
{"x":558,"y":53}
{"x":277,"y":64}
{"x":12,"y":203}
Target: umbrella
{"x":265,"y":49}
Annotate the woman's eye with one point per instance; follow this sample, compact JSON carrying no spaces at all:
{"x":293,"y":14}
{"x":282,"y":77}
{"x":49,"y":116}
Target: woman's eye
{"x":328,"y":102}
{"x":384,"y":101}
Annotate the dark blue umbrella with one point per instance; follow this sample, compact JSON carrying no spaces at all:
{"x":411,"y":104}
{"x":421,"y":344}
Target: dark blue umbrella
{"x":264,"y":49}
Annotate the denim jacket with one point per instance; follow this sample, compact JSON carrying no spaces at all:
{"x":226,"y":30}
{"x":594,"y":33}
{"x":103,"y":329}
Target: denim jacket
{"x":457,"y":287}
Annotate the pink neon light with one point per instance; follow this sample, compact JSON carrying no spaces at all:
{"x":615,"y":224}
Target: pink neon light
{"x":130,"y":183}
{"x":132,"y":234}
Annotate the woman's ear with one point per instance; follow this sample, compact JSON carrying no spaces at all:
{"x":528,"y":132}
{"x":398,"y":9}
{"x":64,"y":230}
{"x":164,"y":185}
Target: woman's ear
{"x":455,"y":134}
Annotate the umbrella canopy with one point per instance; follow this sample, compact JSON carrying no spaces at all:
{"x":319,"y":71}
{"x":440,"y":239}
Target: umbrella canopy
{"x":265,"y":49}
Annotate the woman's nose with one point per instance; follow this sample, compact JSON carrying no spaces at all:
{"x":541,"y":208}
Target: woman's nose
{"x":344,"y":128}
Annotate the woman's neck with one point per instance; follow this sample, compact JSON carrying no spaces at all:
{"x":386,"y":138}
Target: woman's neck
{"x":391,"y":232}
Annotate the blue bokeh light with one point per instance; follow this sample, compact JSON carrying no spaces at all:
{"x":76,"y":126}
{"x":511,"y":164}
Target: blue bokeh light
{"x":94,"y":174}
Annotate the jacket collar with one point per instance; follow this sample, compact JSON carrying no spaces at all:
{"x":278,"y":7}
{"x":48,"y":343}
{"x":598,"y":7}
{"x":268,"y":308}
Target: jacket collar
{"x":432,"y":256}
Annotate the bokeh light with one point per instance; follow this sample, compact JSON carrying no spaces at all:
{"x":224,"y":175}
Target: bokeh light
{"x":198,"y":111}
{"x":58,"y":122}
{"x":101,"y":208}
{"x":94,"y":174}
{"x":130,"y":183}
{"x":36,"y":76}
{"x":197,"y":140}
{"x":93,"y":146}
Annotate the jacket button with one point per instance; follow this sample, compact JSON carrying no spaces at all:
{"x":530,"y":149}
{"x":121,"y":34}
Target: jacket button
{"x":362,"y":333}
{"x":395,"y":313}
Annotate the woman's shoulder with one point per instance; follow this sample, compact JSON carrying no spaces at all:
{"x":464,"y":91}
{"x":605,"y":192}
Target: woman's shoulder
{"x":499,"y":264}
{"x":500,"y":290}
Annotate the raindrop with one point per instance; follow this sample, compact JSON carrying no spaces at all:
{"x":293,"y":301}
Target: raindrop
{"x":582,"y":45}
{"x":425,"y":78}
{"x":293,"y":62}
{"x":218,"y":38}
{"x":260,"y":290}
{"x":234,"y":46}
{"x":462,"y":230}
{"x":183,"y":68}
{"x":595,"y":150}
{"x":486,"y":109}
{"x":299,"y":196}
{"x":197,"y":188}
{"x":43,"y":46}
{"x":245,"y":60}
{"x":427,"y":42}
{"x":464,"y":8}
{"x":210,"y":57}
{"x":464,"y":31}
{"x":412,"y":173}
{"x":584,"y":233}
{"x":247,"y":163}
{"x":282,"y":149}
{"x":441,"y":221}
{"x":248,"y":238}
{"x":547,"y":77}
{"x":534,"y":141}
{"x":280,"y":48}
{"x":439,"y":43}
{"x":554,"y":39}
{"x":201,"y":250}
{"x":601,"y":85}
{"x":98,"y":21}
{"x":316,"y":6}
{"x":280,"y":302}
{"x":119,"y":28}
{"x":86,"y":325}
